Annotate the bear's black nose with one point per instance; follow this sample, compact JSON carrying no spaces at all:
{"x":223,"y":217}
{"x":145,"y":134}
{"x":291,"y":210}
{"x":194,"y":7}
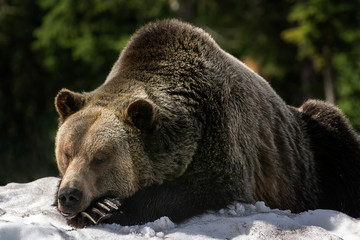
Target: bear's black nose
{"x":69,"y":199}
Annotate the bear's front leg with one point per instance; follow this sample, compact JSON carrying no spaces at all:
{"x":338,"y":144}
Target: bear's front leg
{"x":177,"y":203}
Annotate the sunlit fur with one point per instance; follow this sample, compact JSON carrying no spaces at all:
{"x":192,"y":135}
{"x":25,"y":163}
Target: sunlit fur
{"x":180,"y":127}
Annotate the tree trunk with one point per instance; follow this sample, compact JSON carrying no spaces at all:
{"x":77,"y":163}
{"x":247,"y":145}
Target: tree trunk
{"x":307,"y":78}
{"x":329,"y":76}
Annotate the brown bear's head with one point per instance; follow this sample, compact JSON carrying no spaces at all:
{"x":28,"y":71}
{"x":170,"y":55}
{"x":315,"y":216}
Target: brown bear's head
{"x":93,"y":152}
{"x":112,"y":145}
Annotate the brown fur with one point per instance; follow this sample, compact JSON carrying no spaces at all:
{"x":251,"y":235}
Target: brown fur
{"x":179,"y":127}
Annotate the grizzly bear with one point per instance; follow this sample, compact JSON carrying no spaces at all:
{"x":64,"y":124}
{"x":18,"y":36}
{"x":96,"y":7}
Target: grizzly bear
{"x":180,"y":127}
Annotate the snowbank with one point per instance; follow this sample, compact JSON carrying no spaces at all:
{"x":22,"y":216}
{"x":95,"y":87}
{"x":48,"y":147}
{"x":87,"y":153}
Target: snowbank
{"x":26,"y":213}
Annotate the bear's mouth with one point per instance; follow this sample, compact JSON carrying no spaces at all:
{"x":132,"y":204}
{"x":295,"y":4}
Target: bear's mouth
{"x":68,"y":215}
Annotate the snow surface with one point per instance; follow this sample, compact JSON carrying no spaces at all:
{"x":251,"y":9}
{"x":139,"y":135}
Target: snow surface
{"x":26,"y":213}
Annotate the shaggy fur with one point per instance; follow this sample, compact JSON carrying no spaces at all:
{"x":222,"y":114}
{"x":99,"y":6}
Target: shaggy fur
{"x":180,"y":127}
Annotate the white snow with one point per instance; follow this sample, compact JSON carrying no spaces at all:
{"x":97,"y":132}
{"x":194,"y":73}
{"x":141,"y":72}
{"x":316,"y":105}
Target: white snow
{"x":26,"y":212}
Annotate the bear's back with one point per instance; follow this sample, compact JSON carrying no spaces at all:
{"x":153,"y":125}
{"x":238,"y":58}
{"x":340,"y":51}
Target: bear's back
{"x":181,"y":68}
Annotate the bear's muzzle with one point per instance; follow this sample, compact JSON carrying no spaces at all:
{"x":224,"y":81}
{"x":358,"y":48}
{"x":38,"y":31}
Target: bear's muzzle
{"x":69,"y":200}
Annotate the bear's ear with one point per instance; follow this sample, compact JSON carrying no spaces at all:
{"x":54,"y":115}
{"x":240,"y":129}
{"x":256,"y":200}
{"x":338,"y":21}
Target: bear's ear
{"x":67,"y":103}
{"x":141,"y":113}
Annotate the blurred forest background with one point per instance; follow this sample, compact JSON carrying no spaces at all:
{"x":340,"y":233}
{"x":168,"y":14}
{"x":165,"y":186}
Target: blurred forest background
{"x":304,"y":48}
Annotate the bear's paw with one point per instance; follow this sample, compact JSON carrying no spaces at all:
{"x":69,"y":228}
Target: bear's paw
{"x":96,"y":213}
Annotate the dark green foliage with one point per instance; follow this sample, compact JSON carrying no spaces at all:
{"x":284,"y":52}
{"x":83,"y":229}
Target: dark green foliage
{"x":46,"y":45}
{"x":27,"y":121}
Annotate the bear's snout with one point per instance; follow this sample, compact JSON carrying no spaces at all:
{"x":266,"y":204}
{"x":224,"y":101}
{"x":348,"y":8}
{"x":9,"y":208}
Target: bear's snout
{"x":69,"y":201}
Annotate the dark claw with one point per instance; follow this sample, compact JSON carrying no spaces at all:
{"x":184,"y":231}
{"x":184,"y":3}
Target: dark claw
{"x":115,"y":201}
{"x":95,"y":210}
{"x":86,"y":215}
{"x":103,"y":206}
{"x":111,"y":203}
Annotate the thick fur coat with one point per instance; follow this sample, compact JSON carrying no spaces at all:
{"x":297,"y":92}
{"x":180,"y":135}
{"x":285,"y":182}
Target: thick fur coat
{"x":180,"y":127}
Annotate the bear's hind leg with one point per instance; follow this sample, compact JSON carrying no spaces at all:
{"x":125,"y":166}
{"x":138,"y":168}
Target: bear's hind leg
{"x":336,"y":150}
